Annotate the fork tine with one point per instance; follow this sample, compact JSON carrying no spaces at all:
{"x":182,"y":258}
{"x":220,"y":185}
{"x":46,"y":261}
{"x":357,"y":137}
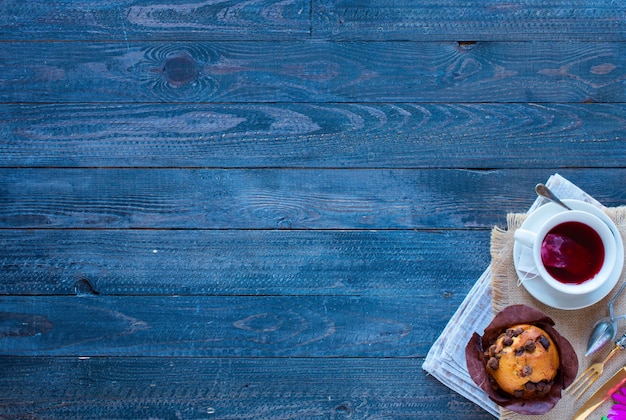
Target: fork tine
{"x":591,"y":380}
{"x":584,"y":382}
{"x":581,"y":378}
{"x":591,"y":374}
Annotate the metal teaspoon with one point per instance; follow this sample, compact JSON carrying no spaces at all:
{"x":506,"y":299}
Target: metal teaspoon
{"x":545,"y":192}
{"x":605,"y":329}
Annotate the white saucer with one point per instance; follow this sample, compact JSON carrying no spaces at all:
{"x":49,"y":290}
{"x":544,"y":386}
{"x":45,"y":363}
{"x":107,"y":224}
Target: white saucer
{"x":539,"y":289}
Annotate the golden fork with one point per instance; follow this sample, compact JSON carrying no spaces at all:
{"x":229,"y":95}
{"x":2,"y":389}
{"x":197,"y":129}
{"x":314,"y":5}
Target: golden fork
{"x":593,"y":372}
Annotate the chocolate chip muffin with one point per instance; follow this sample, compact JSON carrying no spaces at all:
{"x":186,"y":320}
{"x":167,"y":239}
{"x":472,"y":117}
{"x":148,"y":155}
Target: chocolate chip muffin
{"x":522,"y":362}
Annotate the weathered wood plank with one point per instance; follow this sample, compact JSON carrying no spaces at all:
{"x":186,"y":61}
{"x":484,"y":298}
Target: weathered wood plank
{"x":313,"y":72}
{"x":278,"y":198}
{"x":463,"y":20}
{"x":123,"y":262}
{"x":131,"y":388}
{"x":314,"y":291}
{"x":238,"y":326}
{"x":128,"y":20}
{"x":314,"y":135}
{"x":591,"y":20}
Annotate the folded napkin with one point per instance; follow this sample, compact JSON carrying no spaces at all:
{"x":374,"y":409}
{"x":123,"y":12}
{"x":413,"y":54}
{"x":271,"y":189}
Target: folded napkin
{"x":446,"y":358}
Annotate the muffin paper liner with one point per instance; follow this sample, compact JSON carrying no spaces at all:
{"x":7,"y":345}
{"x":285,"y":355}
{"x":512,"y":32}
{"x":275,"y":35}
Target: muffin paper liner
{"x":508,"y":317}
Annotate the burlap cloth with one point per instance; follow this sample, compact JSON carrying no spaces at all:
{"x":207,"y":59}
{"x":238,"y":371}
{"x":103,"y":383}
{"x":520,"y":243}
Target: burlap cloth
{"x":575,"y":325}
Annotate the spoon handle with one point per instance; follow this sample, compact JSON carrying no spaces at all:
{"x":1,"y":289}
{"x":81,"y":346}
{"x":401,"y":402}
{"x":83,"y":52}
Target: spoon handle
{"x":613,"y":299}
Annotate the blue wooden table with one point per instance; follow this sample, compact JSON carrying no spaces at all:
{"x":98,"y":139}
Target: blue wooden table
{"x":270,"y":209}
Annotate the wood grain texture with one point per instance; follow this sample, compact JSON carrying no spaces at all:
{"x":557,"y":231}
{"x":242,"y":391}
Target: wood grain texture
{"x":399,"y":135}
{"x":240,"y":388}
{"x":129,"y":20}
{"x":240,"y":326}
{"x":271,"y":208}
{"x":321,"y":19}
{"x":278,"y":198}
{"x":255,"y":72}
{"x":464,"y":20}
{"x":152,"y":262}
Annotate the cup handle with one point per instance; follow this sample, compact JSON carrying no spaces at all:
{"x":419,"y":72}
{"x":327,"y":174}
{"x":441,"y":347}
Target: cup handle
{"x":525,"y":237}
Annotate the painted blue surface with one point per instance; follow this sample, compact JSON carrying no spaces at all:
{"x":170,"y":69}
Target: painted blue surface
{"x":271,"y":209}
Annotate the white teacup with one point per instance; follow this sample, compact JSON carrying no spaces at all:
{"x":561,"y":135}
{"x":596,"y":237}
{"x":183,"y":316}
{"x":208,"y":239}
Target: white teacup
{"x":570,"y":219}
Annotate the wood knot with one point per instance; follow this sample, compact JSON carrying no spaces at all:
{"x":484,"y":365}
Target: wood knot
{"x":344,"y":410}
{"x":83,"y":287}
{"x":180,"y":70}
{"x":466,"y":45}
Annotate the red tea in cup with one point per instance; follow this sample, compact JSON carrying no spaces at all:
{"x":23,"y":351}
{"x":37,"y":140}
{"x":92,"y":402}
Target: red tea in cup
{"x":572,"y":252}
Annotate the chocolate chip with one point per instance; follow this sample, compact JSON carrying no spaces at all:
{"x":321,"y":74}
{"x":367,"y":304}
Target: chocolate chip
{"x":544,"y":342}
{"x":507,"y":341}
{"x":493,"y":363}
{"x":527,"y":371}
{"x":492,"y":350}
{"x":530,"y":386}
{"x":541,"y":386}
{"x":518,"y":394}
{"x":519,"y":351}
{"x":530,"y":346}
{"x":548,"y":387}
{"x":510,"y":332}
